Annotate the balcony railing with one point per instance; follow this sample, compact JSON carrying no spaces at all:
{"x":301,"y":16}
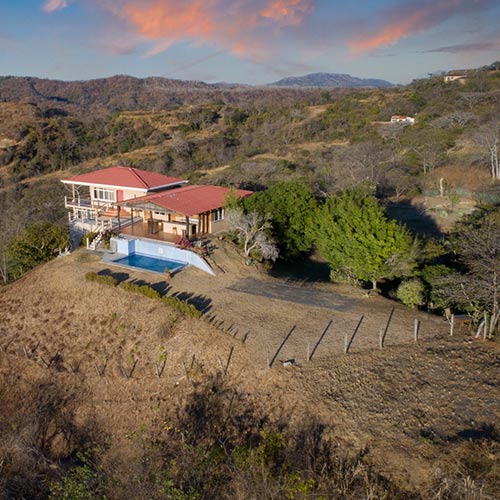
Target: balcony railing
{"x":86,"y":203}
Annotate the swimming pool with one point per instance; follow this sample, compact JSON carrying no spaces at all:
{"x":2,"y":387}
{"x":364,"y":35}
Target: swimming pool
{"x":156,"y":251}
{"x":148,"y":263}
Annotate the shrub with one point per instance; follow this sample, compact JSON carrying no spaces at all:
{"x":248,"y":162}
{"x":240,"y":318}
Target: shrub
{"x":102,"y":279}
{"x":88,"y":238}
{"x":182,"y":306}
{"x":411,"y":293}
{"x":435,"y":279}
{"x":145,"y":290}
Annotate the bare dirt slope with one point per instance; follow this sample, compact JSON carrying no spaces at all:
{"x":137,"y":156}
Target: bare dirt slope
{"x":403,"y":405}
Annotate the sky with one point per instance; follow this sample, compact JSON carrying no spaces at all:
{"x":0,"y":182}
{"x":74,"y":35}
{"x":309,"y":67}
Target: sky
{"x":246,"y":41}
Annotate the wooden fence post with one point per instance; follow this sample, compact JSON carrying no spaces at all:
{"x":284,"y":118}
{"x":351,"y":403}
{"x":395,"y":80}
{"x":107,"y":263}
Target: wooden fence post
{"x":416,"y":325}
{"x":452,"y":323}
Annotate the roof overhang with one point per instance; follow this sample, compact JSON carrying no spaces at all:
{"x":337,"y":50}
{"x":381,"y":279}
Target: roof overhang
{"x":111,"y":186}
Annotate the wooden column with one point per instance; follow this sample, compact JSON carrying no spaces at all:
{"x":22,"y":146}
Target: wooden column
{"x":187,"y":227}
{"x":119,"y":221}
{"x":151,"y":225}
{"x":132,"y":218}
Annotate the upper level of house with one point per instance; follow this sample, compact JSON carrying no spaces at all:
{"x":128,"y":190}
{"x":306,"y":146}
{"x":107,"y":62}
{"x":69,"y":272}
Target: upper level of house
{"x":103,"y":188}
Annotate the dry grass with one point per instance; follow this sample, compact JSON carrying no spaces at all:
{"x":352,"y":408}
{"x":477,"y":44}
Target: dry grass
{"x":404,"y":404}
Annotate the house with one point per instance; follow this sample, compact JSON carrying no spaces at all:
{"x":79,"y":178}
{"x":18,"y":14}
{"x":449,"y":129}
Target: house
{"x":455,"y":78}
{"x":93,"y":198}
{"x":144,"y":204}
{"x":408,"y":120}
{"x":184,"y":211}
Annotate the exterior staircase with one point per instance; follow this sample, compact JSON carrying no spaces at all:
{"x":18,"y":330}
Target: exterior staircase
{"x":97,"y":240}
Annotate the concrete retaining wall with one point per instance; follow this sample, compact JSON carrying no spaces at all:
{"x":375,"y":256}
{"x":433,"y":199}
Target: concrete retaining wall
{"x":127,"y":246}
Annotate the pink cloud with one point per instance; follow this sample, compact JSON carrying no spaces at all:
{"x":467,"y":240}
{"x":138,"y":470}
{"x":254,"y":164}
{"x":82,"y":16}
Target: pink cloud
{"x":409,"y":19}
{"x":242,"y":27}
{"x":52,"y":5}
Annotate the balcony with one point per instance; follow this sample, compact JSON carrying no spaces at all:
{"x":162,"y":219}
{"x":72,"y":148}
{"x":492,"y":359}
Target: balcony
{"x":87,"y":204}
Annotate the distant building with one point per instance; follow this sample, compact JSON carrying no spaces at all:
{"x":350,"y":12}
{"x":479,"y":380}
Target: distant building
{"x":455,"y":78}
{"x":408,"y":120}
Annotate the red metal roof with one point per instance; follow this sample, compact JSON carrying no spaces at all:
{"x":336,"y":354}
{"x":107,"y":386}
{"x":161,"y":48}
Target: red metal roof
{"x":126,"y":177}
{"x":190,"y":200}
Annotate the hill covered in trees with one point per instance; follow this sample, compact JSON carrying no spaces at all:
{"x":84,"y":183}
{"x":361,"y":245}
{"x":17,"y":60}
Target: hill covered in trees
{"x":105,"y":394}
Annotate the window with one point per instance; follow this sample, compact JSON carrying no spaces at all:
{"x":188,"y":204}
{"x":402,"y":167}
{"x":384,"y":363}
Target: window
{"x":218,"y":214}
{"x":101,"y":194}
{"x":159,"y":213}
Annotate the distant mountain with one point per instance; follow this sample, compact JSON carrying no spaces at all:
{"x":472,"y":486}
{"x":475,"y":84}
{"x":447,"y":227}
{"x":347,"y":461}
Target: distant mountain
{"x":330,"y":80}
{"x":122,"y":92}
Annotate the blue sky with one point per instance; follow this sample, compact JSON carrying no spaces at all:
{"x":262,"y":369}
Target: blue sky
{"x":247,"y":41}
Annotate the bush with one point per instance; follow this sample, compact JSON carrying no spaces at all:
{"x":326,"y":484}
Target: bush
{"x":435,"y":278}
{"x":411,"y":293}
{"x":145,"y":290}
{"x":88,"y":238}
{"x":182,"y":306}
{"x":102,"y":279}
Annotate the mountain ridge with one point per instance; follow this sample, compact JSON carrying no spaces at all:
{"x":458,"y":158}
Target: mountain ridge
{"x":330,"y":80}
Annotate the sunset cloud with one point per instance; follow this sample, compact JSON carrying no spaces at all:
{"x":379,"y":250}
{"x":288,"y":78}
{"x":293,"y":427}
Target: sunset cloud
{"x":467,"y":47}
{"x":52,"y":5}
{"x":411,"y":18}
{"x":241,"y":27}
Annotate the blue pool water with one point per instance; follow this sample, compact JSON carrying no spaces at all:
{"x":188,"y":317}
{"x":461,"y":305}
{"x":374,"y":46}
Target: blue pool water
{"x":149,"y":263}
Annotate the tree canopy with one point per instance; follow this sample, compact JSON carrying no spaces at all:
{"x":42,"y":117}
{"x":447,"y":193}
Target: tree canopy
{"x":37,"y":243}
{"x":360,"y":243}
{"x":290,"y":206}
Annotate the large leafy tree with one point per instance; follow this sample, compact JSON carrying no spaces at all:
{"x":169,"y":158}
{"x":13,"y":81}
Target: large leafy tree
{"x":359,"y":242}
{"x":289,"y":205}
{"x":37,"y":243}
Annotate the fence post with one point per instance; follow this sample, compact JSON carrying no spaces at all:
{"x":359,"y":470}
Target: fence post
{"x":416,"y":325}
{"x":452,"y":322}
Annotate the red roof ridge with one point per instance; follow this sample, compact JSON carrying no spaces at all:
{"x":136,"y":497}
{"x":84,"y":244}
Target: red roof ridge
{"x":136,"y":174}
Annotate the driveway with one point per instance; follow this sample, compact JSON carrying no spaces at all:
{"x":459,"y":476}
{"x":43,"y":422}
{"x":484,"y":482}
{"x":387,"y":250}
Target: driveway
{"x":294,"y":293}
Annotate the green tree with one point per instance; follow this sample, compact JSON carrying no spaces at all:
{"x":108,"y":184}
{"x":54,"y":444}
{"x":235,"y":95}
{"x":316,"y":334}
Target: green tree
{"x":289,"y":205}
{"x":37,"y":243}
{"x":355,"y":237}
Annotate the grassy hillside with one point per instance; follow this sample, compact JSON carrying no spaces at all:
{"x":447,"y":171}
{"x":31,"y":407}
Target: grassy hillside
{"x":407,"y":422}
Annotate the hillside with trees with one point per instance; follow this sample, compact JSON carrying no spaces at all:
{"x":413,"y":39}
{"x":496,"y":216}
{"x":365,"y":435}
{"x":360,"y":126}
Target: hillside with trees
{"x":111,"y":384}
